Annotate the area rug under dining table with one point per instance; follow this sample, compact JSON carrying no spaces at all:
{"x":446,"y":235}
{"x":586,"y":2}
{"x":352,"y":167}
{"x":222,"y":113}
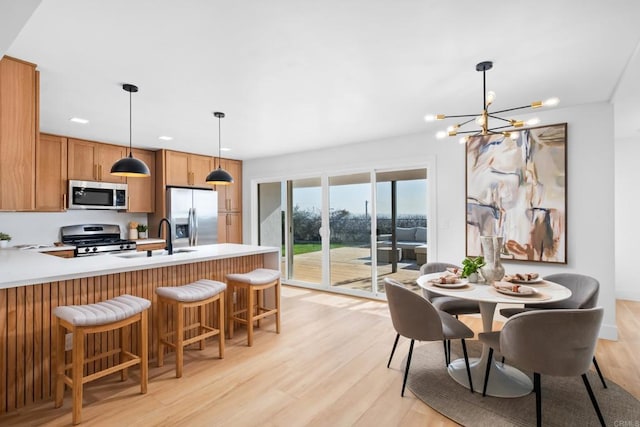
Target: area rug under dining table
{"x":565,"y":401}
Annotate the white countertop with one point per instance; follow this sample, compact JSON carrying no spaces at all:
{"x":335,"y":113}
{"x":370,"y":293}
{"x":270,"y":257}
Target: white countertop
{"x":28,"y":267}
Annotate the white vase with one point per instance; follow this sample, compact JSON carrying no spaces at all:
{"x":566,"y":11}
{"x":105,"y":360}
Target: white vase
{"x":142,"y":234}
{"x":133,"y":234}
{"x":491,"y":249}
{"x":473,"y":278}
{"x":4,"y":243}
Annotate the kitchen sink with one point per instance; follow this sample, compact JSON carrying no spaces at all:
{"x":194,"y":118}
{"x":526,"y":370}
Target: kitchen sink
{"x":156,"y":253}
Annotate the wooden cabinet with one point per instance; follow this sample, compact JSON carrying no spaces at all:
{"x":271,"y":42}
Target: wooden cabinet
{"x":140,"y":247}
{"x":229,"y":227}
{"x":230,"y":196}
{"x":51,"y":173}
{"x":230,"y":204}
{"x":67,"y":253}
{"x":92,"y":161}
{"x":18,"y":133}
{"x":142,"y":190}
{"x":187,"y":170}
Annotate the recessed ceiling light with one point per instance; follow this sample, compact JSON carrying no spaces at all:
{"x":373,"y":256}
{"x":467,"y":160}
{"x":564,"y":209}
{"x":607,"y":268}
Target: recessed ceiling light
{"x":165,"y":138}
{"x":79,"y":120}
{"x":225,"y":149}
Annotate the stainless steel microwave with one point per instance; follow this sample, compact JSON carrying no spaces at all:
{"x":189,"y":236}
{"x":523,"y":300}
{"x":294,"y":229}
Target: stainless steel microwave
{"x":97,"y":195}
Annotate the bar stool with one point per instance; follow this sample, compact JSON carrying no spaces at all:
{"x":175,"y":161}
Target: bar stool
{"x":80,"y":320}
{"x":194,"y":295}
{"x":254,"y":282}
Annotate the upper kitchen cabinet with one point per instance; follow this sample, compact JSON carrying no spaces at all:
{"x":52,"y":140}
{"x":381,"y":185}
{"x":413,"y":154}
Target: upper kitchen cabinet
{"x":142,"y":190}
{"x":92,"y":161}
{"x":186,"y":170}
{"x":230,"y":196}
{"x":18,"y":133}
{"x":51,"y":173}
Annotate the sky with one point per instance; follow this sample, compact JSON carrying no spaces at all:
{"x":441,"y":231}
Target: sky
{"x":412,"y":198}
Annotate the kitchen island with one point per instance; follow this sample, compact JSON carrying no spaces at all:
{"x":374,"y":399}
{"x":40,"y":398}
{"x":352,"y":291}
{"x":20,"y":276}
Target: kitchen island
{"x":32,"y":284}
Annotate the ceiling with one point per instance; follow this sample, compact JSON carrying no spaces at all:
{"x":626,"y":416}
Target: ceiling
{"x":297,"y":75}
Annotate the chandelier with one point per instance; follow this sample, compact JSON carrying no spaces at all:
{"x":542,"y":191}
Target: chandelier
{"x":487,"y":122}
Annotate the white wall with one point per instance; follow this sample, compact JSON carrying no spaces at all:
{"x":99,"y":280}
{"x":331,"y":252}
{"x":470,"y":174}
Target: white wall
{"x":44,"y":227}
{"x":590,"y":153}
{"x":627,"y":206}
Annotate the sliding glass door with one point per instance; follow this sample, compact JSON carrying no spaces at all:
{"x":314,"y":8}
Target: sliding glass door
{"x":347,"y":233}
{"x":350,"y":231}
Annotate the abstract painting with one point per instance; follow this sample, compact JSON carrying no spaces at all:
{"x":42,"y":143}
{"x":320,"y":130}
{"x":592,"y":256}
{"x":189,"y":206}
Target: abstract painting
{"x":516,"y":188}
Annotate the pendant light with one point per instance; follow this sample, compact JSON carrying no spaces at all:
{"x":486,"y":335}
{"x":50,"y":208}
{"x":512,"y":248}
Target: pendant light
{"x":129,"y":166}
{"x":219,"y":176}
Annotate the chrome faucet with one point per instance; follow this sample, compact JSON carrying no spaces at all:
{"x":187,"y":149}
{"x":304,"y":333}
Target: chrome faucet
{"x":169,"y":246}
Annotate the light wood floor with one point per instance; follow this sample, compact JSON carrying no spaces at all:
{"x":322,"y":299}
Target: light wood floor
{"x":351,"y":269}
{"x":326,"y":368}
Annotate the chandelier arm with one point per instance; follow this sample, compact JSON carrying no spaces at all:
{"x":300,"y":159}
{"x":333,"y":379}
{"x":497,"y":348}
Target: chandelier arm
{"x":499,"y":127}
{"x":512,"y":109}
{"x":459,"y":115}
{"x":499,"y":118}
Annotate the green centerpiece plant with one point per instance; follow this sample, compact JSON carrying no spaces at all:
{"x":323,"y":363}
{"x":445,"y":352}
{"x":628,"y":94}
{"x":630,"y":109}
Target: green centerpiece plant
{"x":471,"y":267}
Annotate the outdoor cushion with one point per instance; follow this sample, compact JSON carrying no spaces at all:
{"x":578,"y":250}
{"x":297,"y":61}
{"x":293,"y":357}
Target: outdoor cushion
{"x":406,"y":234}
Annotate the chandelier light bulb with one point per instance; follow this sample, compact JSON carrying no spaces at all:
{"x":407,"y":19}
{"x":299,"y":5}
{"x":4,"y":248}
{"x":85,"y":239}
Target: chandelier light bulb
{"x":551,"y":102}
{"x":491,"y":96}
{"x":441,"y":134}
{"x":532,"y":122}
{"x":480,"y":120}
{"x":429,"y":118}
{"x":463,"y":140}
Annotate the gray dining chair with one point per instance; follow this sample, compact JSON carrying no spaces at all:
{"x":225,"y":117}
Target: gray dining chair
{"x":414,"y":317}
{"x":584,"y":294}
{"x":550,"y":342}
{"x":451,"y":305}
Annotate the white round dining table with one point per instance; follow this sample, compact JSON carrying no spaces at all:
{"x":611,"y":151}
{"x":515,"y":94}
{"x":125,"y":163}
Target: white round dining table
{"x":505,"y":380}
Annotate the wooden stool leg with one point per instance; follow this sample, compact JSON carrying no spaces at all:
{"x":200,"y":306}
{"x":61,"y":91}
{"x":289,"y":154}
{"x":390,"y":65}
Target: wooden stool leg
{"x":76,"y":373}
{"x":250,"y":304}
{"x":125,"y":338}
{"x":179,"y":339}
{"x":278,"y":307}
{"x":202,"y":310}
{"x":60,"y":362}
{"x":259,"y":303}
{"x":160,"y":333}
{"x":144,"y":351}
{"x":231,"y":308}
{"x":221,"y":302}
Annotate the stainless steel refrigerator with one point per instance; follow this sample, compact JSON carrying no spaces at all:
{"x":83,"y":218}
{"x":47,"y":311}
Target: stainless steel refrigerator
{"x":193,"y":214}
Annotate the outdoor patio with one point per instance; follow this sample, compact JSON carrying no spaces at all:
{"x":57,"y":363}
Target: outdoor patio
{"x":351,"y":269}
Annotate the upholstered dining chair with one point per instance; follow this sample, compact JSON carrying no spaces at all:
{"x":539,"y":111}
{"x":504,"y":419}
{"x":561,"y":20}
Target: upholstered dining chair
{"x":451,"y":305}
{"x":414,"y":317}
{"x":550,"y":342}
{"x":584,"y":294}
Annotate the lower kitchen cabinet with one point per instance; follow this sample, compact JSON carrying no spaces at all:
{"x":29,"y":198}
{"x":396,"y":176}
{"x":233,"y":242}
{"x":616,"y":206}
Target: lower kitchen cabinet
{"x":229,"y":227}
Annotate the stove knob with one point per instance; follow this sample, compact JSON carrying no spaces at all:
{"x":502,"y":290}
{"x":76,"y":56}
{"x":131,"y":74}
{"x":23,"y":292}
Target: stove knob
{"x":128,"y":246}
{"x":86,"y":250}
{"x":122,"y":247}
{"x":95,"y":249}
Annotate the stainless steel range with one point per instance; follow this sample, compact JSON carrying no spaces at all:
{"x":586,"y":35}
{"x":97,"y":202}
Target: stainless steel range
{"x":94,"y":239}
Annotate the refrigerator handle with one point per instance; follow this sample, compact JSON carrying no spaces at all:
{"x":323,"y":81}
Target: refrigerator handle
{"x":195,"y":225}
{"x":192,"y":230}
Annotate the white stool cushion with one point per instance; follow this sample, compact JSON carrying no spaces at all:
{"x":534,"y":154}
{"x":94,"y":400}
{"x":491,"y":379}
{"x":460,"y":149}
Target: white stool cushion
{"x":196,"y":291}
{"x":259,"y":276}
{"x":104,"y":312}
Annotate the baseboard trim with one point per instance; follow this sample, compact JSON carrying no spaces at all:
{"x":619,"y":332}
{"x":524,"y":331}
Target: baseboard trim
{"x":608,"y":332}
{"x":628,"y":295}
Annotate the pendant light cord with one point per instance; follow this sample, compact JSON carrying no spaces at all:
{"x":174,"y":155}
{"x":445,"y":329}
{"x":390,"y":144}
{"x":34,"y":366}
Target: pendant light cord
{"x":219,"y":141}
{"x":130,"y":119}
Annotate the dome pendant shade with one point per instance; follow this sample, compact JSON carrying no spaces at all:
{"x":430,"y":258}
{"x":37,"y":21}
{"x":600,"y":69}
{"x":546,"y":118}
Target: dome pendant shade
{"x":219,"y":176}
{"x":129,"y":166}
